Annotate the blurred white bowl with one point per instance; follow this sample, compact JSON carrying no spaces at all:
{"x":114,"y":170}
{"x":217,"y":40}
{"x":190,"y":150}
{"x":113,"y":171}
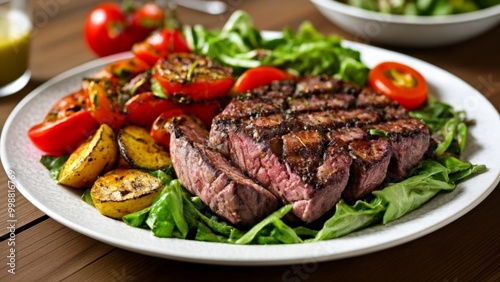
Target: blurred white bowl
{"x":408,"y":31}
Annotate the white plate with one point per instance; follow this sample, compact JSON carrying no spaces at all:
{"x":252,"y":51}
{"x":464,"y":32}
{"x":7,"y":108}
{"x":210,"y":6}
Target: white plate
{"x":65,"y":206}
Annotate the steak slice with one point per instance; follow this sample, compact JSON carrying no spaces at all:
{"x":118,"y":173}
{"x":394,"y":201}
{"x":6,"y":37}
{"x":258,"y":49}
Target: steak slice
{"x":409,"y":140}
{"x":207,"y":174}
{"x":370,"y":161}
{"x":278,"y":164}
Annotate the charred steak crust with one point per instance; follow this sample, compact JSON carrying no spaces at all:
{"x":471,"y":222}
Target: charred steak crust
{"x":207,"y":174}
{"x":308,"y":141}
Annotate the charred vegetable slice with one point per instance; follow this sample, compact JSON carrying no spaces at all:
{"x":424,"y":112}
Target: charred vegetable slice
{"x":90,"y":159}
{"x":140,"y":150}
{"x":191,"y":77}
{"x":123,"y":191}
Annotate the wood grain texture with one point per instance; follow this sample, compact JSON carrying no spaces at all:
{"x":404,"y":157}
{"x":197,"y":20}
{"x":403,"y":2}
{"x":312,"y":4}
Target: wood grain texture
{"x":466,"y":250}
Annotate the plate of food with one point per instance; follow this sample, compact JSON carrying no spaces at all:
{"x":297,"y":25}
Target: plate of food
{"x":223,"y":227}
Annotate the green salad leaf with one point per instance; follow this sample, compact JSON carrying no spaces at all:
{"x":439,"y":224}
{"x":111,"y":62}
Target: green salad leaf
{"x":351,"y":218}
{"x":54,"y":164}
{"x":305,"y":52}
{"x":448,"y":126}
{"x":87,"y":198}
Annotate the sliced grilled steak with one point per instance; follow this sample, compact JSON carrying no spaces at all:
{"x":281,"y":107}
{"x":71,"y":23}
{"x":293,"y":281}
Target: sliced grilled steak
{"x":210,"y":176}
{"x":308,"y":142}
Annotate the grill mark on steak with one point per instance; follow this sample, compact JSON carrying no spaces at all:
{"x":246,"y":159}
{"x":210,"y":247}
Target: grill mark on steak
{"x":299,"y":146}
{"x":310,"y":144}
{"x":370,"y":98}
{"x":319,"y":102}
{"x":324,"y":84}
{"x":219,"y":184}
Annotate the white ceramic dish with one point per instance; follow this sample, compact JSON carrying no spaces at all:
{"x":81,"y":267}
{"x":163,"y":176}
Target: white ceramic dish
{"x":408,"y":31}
{"x":21,"y":158}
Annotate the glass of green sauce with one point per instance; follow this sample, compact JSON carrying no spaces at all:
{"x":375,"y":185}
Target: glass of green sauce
{"x":15,"y":30}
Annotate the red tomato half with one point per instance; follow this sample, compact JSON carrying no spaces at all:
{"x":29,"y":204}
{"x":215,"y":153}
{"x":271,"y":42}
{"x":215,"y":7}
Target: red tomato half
{"x":145,"y":19}
{"x":193,"y":76}
{"x":160,"y":44}
{"x":399,"y":82}
{"x":104,"y":103}
{"x":144,"y":108}
{"x":259,"y":76}
{"x":66,"y":125}
{"x":159,"y":129}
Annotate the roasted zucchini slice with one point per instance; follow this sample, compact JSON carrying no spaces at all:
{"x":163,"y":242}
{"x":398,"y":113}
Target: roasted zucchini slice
{"x":140,"y":150}
{"x":90,"y":159}
{"x":123,"y":191}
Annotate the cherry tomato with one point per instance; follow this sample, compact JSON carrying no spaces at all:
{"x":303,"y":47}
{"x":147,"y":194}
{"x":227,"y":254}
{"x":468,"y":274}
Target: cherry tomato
{"x":66,"y":125}
{"x":259,"y":76}
{"x":145,"y":19}
{"x":104,"y":102}
{"x":160,"y":44}
{"x":399,"y":82}
{"x":111,"y":28}
{"x":106,"y":30}
{"x":142,"y":109}
{"x":159,"y":129}
{"x":192,"y":76}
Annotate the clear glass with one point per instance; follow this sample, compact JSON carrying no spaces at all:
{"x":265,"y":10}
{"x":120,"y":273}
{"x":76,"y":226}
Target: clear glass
{"x":15,"y":37}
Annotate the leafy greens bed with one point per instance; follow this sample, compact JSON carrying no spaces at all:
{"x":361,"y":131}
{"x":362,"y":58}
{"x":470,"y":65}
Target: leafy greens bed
{"x":177,"y":214}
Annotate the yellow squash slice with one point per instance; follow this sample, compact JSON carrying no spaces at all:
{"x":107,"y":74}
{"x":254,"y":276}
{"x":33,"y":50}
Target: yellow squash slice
{"x":123,"y":191}
{"x":140,"y":150}
{"x":90,"y":159}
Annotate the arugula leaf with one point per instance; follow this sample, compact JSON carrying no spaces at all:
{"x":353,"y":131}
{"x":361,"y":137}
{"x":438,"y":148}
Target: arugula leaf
{"x":166,"y":175}
{"x":411,"y":193}
{"x":54,"y":164}
{"x":138,"y":218}
{"x":430,"y":177}
{"x":166,"y":216}
{"x":271,"y":219}
{"x":351,"y":218}
{"x":87,"y":198}
{"x":448,"y":126}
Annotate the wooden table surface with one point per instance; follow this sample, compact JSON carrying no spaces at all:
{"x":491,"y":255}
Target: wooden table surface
{"x":468,"y":249}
